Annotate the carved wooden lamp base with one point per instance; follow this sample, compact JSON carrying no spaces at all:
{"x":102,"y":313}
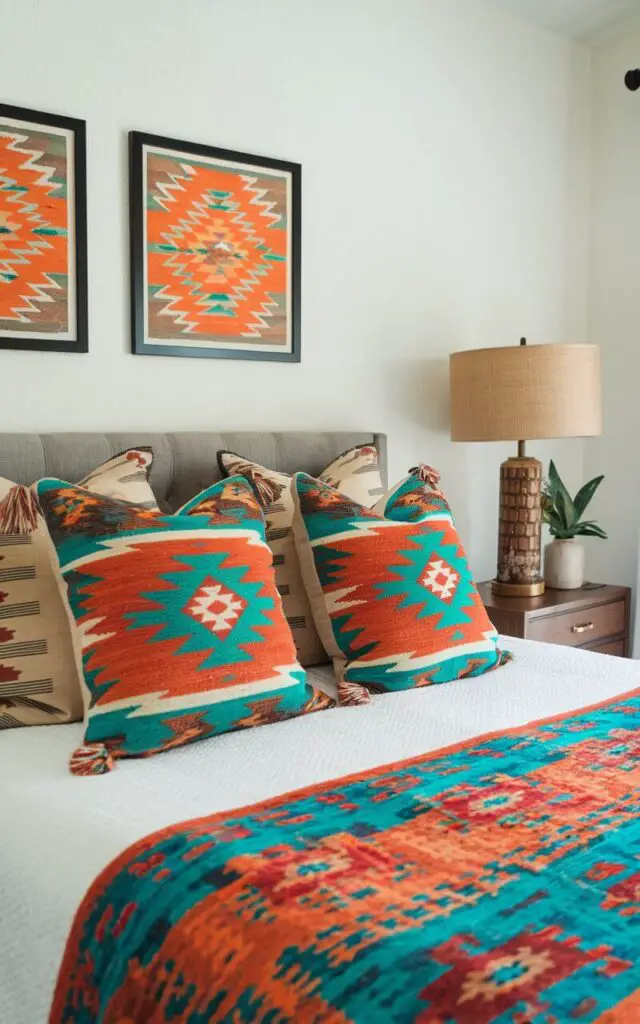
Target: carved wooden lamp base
{"x":519,"y":534}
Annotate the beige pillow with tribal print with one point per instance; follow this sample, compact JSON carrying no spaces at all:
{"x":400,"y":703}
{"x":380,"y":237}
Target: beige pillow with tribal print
{"x":356,"y":474}
{"x":39,"y":677}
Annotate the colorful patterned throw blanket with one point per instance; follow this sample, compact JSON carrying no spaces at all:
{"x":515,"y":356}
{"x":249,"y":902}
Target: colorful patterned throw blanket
{"x":494,"y":882}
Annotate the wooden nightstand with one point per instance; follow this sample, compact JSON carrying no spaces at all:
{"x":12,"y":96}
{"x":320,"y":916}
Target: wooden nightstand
{"x":596,"y":617}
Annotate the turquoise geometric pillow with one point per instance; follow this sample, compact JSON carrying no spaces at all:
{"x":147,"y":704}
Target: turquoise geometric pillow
{"x":180,"y":623}
{"x":390,"y":588}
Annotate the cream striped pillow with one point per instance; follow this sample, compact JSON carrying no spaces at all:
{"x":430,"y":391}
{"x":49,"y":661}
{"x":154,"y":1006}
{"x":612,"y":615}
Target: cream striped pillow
{"x":39,"y":676}
{"x":356,"y":473}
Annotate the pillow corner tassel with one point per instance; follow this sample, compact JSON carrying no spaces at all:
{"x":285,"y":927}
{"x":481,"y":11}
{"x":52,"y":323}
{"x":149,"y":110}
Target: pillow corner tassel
{"x":19,"y":511}
{"x":351,"y":695}
{"x":504,"y":657}
{"x":91,"y":759}
{"x":427,"y":474}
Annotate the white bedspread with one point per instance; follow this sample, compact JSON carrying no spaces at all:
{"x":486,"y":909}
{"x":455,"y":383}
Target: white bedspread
{"x":58,"y":831}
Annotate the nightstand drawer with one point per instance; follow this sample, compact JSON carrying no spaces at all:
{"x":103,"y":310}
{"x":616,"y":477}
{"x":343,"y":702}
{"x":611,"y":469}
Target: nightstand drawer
{"x":582,"y":627}
{"x":616,"y":647}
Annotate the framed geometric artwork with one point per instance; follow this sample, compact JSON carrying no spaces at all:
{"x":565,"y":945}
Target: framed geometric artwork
{"x":43,"y":231}
{"x":215,"y":252}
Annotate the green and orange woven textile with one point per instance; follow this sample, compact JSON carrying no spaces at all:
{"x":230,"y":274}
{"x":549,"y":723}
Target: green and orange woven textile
{"x":492,"y":883}
{"x":391,"y":589}
{"x":180,"y":624}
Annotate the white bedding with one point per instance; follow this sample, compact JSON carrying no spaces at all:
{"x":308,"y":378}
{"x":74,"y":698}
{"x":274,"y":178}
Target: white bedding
{"x":58,"y":831}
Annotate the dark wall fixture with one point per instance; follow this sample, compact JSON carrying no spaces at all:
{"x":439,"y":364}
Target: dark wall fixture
{"x":632,"y":80}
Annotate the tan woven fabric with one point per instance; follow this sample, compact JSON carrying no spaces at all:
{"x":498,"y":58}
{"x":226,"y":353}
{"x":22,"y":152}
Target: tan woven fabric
{"x":356,"y":474}
{"x":125,"y":477}
{"x":39,"y":670}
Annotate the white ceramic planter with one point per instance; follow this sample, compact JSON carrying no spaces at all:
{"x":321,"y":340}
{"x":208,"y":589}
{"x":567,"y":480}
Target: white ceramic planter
{"x":564,"y":564}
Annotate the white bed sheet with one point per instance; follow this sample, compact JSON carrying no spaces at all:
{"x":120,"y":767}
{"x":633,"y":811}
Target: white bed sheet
{"x":57,"y":831}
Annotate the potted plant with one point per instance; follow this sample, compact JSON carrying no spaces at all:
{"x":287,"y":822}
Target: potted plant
{"x":564,"y":556}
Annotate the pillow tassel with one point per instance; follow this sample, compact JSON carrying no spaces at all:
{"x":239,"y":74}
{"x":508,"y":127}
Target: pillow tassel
{"x":19,"y":511}
{"x":427,"y":474}
{"x":91,"y":759}
{"x":351,"y":695}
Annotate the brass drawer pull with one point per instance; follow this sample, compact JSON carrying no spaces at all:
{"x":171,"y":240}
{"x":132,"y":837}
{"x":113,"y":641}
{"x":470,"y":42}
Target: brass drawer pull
{"x":583,"y":628}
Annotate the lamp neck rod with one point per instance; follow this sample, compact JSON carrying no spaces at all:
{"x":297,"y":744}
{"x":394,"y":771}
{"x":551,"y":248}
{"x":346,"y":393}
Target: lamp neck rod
{"x":521,"y":444}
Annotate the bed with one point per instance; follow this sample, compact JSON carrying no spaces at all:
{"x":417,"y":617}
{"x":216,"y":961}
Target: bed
{"x":55,"y":839}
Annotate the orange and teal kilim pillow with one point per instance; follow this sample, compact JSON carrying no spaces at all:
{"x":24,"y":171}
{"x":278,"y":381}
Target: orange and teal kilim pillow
{"x":179,"y":621}
{"x":391,"y":589}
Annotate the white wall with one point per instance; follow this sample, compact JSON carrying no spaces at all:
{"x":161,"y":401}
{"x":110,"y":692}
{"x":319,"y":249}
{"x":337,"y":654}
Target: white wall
{"x":440,"y":145}
{"x":614,"y":302}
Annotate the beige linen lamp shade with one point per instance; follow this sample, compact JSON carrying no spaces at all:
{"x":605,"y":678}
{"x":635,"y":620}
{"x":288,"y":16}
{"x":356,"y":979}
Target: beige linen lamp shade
{"x":525,"y":392}
{"x":517,"y":394}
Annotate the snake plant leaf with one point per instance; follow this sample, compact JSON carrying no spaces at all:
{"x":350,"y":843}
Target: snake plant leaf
{"x":585,"y":494}
{"x":561,"y":497}
{"x":590,"y":530}
{"x":552,"y":480}
{"x":563,"y":512}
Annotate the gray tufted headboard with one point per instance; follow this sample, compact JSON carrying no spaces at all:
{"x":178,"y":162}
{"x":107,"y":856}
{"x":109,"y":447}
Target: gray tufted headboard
{"x":184,"y":462}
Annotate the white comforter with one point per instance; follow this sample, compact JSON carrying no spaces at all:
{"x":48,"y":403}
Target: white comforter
{"x":58,"y":831}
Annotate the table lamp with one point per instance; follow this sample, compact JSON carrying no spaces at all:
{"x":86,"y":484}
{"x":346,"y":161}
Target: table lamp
{"x":519,"y":393}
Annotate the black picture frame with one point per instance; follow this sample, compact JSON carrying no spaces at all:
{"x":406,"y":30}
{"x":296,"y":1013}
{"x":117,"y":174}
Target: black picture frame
{"x":48,"y":342}
{"x":139,"y":345}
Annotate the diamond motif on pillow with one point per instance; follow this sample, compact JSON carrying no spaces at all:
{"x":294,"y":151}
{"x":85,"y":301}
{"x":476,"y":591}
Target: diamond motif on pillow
{"x":215,"y":607}
{"x":440,"y":579}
